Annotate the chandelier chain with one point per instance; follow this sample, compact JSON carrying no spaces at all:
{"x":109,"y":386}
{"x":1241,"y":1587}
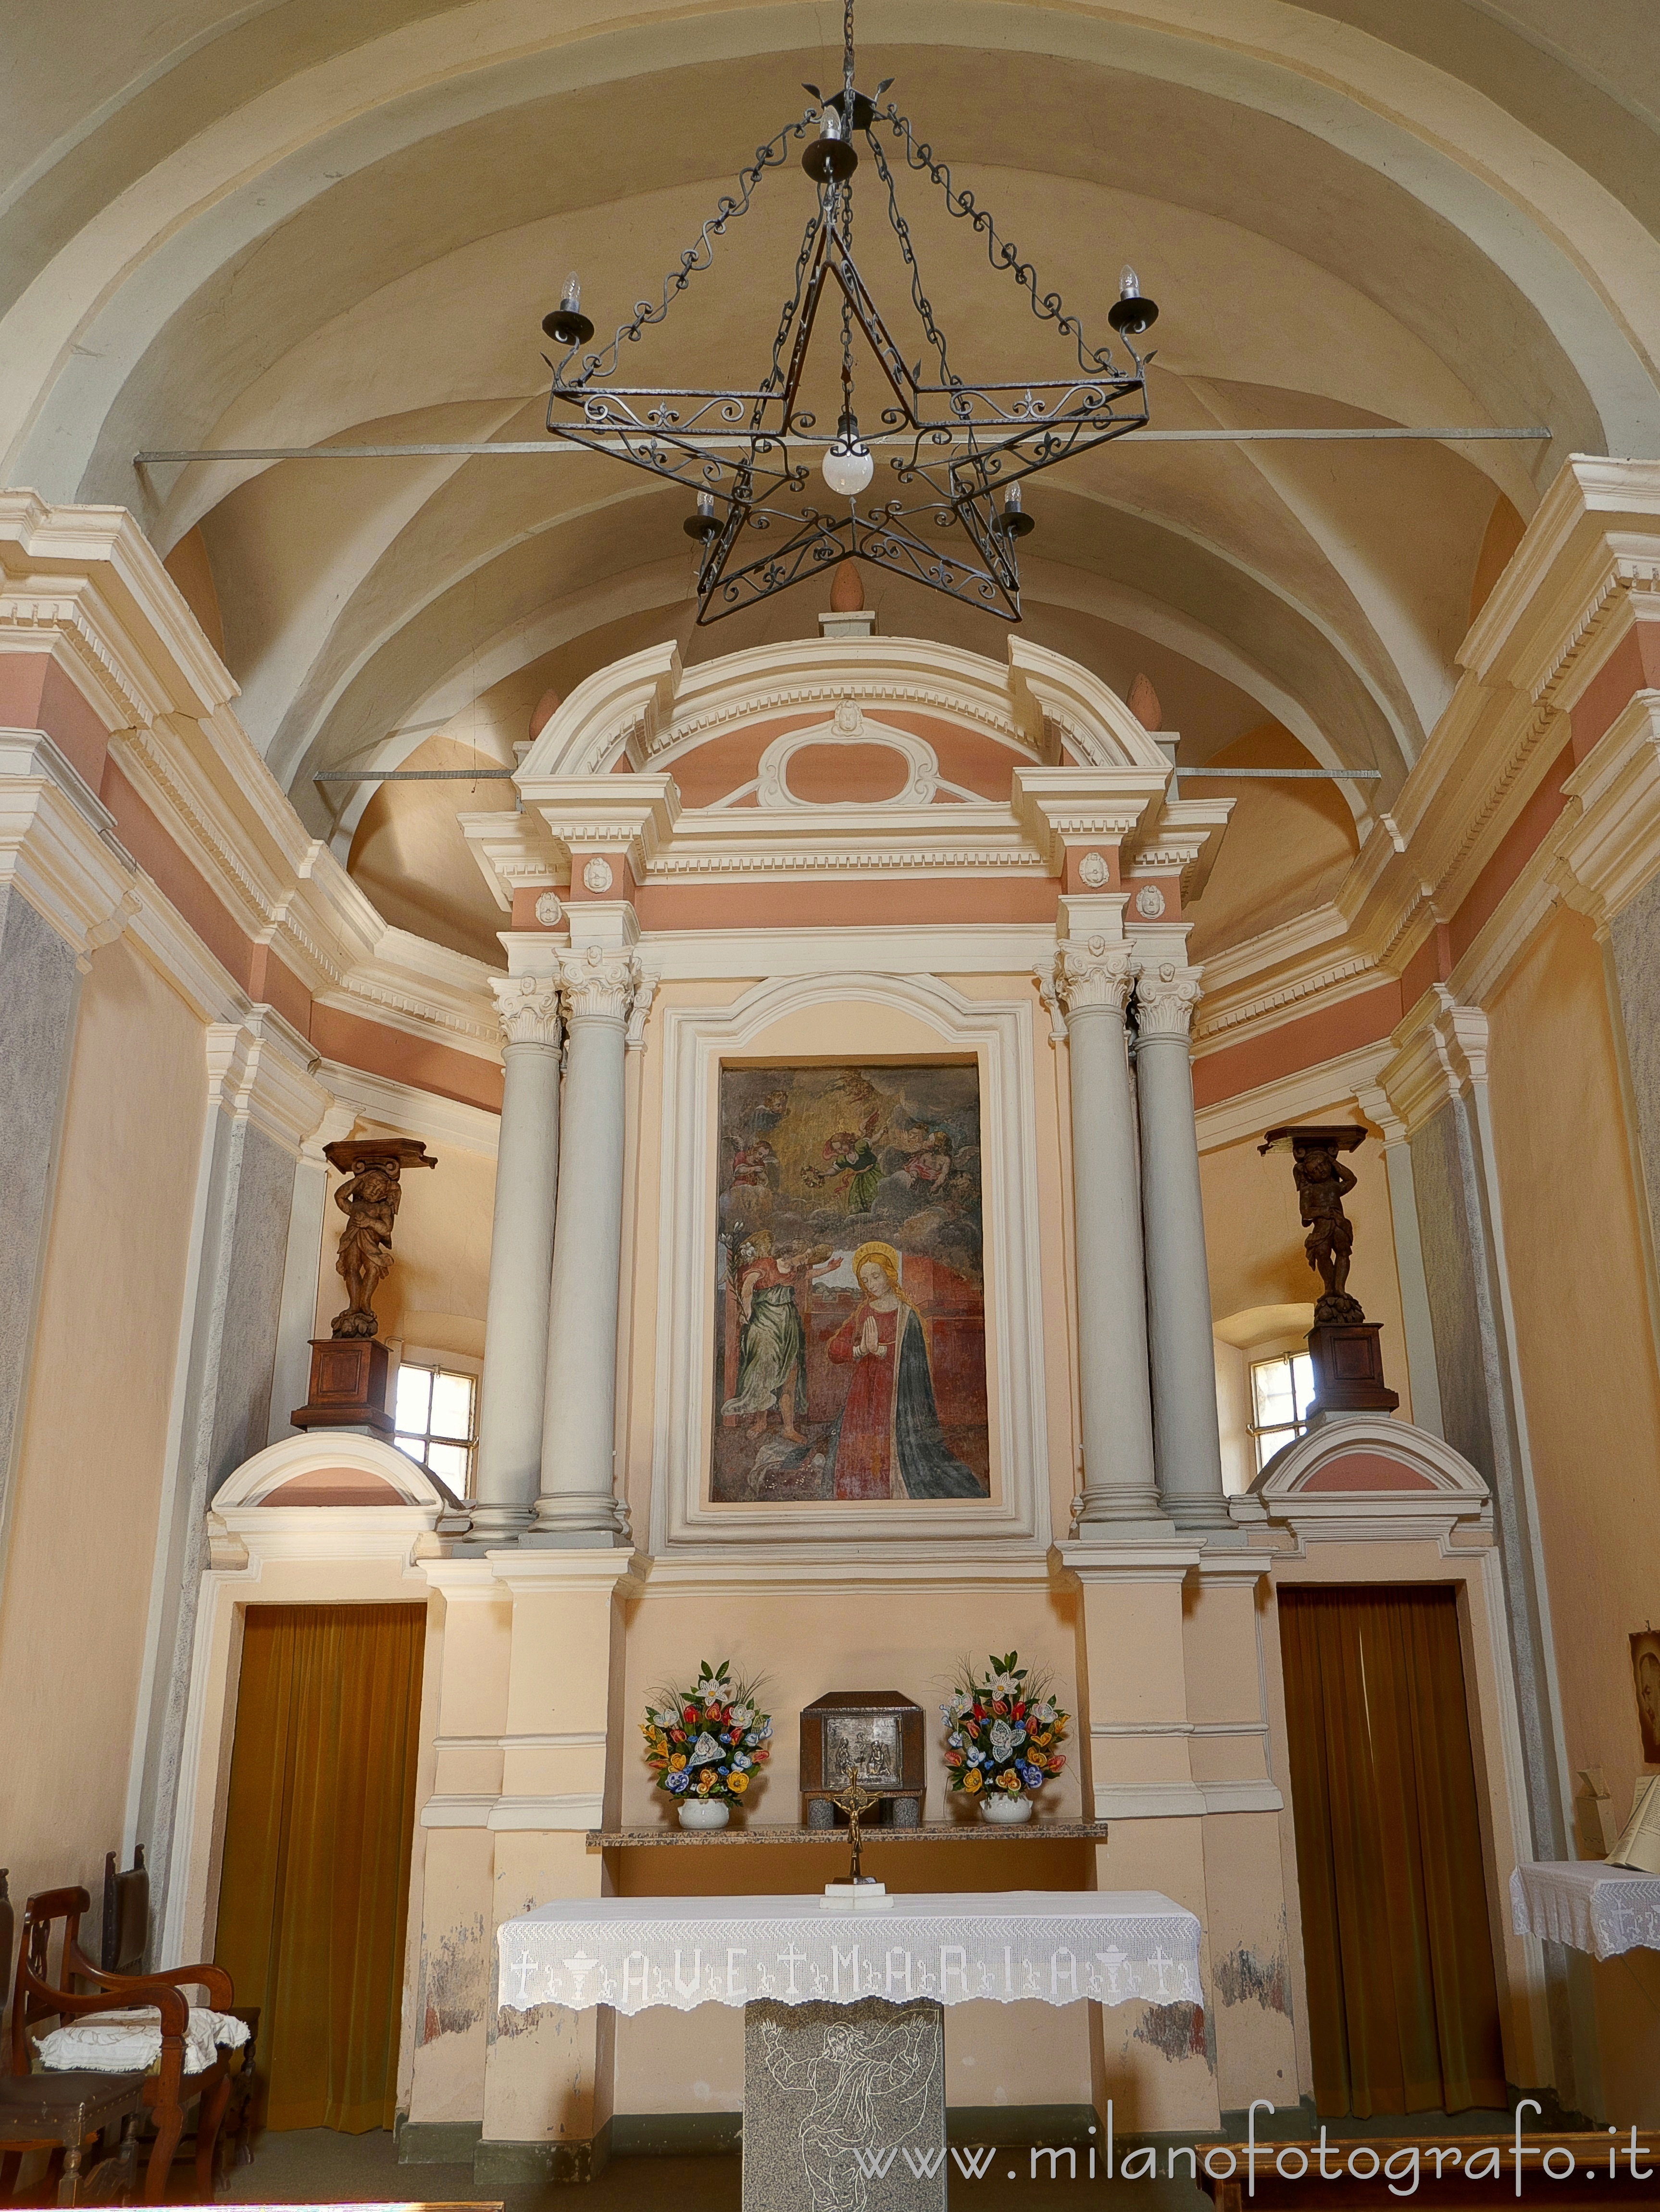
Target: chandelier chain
{"x":698,"y":256}
{"x":920,"y":301}
{"x":1003,"y":253}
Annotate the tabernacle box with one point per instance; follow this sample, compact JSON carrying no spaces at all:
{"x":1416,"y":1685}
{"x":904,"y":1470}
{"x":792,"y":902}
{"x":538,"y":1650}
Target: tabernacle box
{"x":880,"y":1734}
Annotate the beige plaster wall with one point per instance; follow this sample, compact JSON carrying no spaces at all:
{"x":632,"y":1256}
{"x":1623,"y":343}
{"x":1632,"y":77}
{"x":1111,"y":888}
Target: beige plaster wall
{"x":77,"y":1581}
{"x":1588,"y":1381}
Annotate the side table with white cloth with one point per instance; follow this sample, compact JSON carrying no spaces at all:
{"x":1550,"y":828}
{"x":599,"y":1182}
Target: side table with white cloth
{"x":1588,"y":1905}
{"x":844,"y":2010}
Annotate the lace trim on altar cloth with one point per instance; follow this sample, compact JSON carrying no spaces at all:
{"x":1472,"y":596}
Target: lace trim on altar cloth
{"x":635,"y":1962}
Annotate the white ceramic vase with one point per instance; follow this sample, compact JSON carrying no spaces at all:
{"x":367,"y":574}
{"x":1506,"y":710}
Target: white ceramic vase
{"x":1004,"y":1811}
{"x":704,"y":1811}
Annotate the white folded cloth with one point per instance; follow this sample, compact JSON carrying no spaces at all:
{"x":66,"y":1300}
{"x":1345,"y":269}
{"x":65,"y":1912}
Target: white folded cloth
{"x":130,"y":2041}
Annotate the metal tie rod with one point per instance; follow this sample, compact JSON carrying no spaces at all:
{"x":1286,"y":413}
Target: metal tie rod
{"x":557,"y":445}
{"x":413,"y":775}
{"x":507,"y":775}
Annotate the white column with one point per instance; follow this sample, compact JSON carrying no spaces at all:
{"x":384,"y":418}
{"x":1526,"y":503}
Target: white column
{"x":511,"y":1397}
{"x":1093,"y":978}
{"x":578,"y":1506}
{"x":1181,"y":1354}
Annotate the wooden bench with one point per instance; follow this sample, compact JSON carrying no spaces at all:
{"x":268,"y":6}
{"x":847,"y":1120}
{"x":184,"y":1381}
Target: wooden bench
{"x":1355,"y":2170}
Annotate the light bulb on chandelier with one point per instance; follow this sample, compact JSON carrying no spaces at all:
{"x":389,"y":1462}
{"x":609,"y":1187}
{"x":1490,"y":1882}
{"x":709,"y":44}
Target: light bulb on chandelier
{"x":847,"y":464}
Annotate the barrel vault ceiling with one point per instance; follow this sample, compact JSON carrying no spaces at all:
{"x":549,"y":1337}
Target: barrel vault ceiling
{"x":299,"y":222}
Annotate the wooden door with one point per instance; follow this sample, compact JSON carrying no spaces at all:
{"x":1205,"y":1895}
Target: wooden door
{"x":314,"y":1887}
{"x":1403,"y":2008}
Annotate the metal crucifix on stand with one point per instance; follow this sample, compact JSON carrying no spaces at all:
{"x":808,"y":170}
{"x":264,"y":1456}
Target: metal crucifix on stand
{"x":855,"y":1802}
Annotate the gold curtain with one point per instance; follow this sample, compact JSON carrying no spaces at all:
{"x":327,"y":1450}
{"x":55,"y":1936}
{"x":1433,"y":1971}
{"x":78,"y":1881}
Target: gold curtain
{"x":313,"y":1891}
{"x":1403,"y":2008}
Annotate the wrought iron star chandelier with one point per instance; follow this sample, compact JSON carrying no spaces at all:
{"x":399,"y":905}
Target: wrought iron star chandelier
{"x":947,"y":509}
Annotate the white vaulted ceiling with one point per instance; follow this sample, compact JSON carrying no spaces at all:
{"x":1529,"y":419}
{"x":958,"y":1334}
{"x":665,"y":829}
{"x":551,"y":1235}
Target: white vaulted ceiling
{"x":342,"y":219}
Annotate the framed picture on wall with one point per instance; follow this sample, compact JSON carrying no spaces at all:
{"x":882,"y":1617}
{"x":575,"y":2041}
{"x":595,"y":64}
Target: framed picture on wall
{"x":849,"y":1333}
{"x":1645,"y":1681}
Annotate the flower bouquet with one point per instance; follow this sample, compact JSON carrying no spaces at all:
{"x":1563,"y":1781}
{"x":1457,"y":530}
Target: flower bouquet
{"x":706,"y":1745}
{"x":1000,"y":1738}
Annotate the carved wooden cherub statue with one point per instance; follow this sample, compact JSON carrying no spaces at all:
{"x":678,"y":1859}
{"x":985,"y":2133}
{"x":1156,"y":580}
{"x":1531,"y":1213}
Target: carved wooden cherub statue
{"x":1322,"y":1183}
{"x":369,"y":1199}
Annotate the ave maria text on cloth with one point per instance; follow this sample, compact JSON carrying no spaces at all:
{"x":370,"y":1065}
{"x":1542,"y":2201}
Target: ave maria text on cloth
{"x":1054,"y":1947}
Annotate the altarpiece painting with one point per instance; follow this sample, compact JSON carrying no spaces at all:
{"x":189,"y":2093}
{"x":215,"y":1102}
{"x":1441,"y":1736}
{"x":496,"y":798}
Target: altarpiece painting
{"x":850,"y":1312}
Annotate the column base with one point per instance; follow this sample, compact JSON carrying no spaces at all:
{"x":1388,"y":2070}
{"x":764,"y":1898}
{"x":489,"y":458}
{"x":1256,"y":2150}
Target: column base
{"x":494,"y":1526}
{"x":1125,"y":1517}
{"x":590,"y":1523}
{"x":1206,"y":1518}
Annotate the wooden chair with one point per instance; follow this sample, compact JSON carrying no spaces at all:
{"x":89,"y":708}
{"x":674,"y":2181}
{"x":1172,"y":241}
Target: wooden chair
{"x":61,"y":2114}
{"x":126,"y":1914}
{"x":167,"y":2092}
{"x":121,"y":1951}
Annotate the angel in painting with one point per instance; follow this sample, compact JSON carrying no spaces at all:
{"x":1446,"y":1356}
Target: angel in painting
{"x":772,"y":1344}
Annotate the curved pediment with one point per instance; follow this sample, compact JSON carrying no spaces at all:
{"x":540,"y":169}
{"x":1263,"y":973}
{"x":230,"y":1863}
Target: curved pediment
{"x":648,"y":711}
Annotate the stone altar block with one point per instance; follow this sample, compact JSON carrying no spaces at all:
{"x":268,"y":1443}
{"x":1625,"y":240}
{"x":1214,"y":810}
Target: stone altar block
{"x":844,"y":2106}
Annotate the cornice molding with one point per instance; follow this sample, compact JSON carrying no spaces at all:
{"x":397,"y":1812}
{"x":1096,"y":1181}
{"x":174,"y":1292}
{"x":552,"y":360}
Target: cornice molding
{"x":1441,"y":1055}
{"x":261,"y":1070}
{"x":86,"y":583}
{"x":407,"y":1111}
{"x":58,"y":849}
{"x":1611,"y":848}
{"x":1332,"y":1083}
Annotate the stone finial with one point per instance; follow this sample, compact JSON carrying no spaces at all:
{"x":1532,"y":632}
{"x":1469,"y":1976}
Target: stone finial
{"x":847,"y":616}
{"x":847,"y":589}
{"x":1143,"y":703}
{"x":543,"y":712}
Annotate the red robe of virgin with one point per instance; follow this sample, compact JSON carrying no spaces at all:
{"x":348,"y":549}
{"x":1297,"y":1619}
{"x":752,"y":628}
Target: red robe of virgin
{"x":865,"y":1454}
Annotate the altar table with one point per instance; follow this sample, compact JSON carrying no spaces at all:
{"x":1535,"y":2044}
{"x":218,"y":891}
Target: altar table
{"x":844,"y":2097}
{"x":1587,"y":1904}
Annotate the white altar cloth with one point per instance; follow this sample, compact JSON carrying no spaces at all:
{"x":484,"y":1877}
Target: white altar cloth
{"x":1059,"y":1946}
{"x":1587,"y":1904}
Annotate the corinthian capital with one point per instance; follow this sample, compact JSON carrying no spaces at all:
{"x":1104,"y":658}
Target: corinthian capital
{"x":528,"y":1008}
{"x":599,"y":986}
{"x":1094,"y":971}
{"x":1166,"y":993}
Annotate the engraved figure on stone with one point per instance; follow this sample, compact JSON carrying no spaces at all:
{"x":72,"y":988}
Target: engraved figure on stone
{"x":1322,"y":1182}
{"x":856,"y":2066}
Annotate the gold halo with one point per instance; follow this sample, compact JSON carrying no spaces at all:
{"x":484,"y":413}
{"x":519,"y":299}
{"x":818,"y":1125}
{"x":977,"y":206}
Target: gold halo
{"x":884,"y":1253}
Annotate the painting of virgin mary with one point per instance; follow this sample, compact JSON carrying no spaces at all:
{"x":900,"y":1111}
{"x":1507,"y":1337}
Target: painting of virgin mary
{"x":887,"y":1443}
{"x":849,"y":1341}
